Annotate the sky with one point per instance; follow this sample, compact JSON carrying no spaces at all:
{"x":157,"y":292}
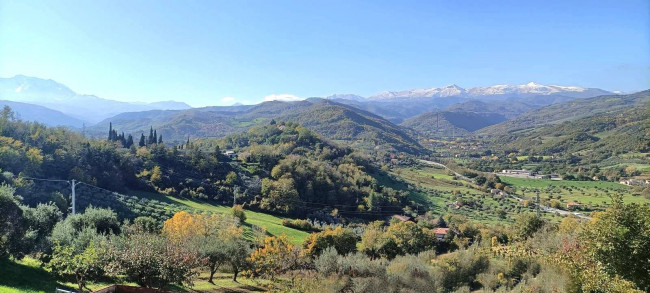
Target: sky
{"x":225,"y":52}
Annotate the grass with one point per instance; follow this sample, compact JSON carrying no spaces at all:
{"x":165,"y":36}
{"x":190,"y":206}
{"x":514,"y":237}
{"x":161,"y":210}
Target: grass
{"x":596,"y":193}
{"x":28,"y":276}
{"x":273,"y":224}
{"x":644,"y":168}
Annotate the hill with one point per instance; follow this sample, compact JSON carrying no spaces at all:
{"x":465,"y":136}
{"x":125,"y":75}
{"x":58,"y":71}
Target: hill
{"x":344,"y":123}
{"x":451,"y":123}
{"x":49,"y":117}
{"x":568,"y":111}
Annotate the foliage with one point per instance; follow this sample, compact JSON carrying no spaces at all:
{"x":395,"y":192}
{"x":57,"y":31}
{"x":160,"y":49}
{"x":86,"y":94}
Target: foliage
{"x":80,"y":267}
{"x":151,"y":261}
{"x":12,"y":223}
{"x":342,"y":239}
{"x":277,"y":256}
{"x":238,"y":212}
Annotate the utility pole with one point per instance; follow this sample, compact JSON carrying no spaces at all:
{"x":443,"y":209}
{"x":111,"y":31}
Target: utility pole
{"x":538,"y":203}
{"x":74,"y":197}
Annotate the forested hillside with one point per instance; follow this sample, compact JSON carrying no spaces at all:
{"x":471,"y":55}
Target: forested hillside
{"x":571,"y":110}
{"x":333,"y":120}
{"x":451,"y":123}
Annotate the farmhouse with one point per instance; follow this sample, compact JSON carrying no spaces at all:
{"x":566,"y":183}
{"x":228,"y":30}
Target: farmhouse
{"x":440,"y":233}
{"x":231,"y":154}
{"x":635,"y":182}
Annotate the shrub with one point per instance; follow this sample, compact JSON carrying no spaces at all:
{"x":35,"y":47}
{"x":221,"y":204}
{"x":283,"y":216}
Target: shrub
{"x":238,"y":212}
{"x":298,"y":224}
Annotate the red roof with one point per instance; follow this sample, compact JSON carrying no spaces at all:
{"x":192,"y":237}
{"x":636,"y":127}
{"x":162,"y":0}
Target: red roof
{"x":440,"y":231}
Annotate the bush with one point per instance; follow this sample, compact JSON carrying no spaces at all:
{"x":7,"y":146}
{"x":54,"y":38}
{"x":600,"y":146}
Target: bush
{"x":238,"y":212}
{"x":298,"y":224}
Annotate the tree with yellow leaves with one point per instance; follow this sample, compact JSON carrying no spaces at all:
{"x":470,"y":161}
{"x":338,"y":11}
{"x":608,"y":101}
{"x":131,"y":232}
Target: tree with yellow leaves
{"x":277,"y":256}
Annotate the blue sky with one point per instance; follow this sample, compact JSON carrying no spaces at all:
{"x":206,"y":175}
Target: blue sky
{"x":221,"y":52}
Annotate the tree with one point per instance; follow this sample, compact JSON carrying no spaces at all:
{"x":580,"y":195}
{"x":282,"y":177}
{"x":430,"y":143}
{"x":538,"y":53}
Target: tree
{"x":184,"y":225}
{"x":156,"y":175}
{"x":129,"y":141}
{"x":40,"y":221}
{"x":619,"y":239}
{"x":12,"y":223}
{"x":160,"y":139}
{"x":155,"y":137}
{"x":237,"y":211}
{"x":110,"y":131}
{"x":231,"y":178}
{"x":342,"y":239}
{"x":152,"y":261}
{"x":373,"y":239}
{"x":277,"y":256}
{"x":142,"y":141}
{"x":79,"y":267}
{"x":525,"y":225}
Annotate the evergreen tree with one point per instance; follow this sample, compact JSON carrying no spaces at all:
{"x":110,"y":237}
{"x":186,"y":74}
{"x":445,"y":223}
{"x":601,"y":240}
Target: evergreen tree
{"x":155,"y":137}
{"x":110,"y":131}
{"x":129,"y":141}
{"x":187,"y":145}
{"x":142,"y":141}
{"x":150,"y":138}
{"x":160,"y":139}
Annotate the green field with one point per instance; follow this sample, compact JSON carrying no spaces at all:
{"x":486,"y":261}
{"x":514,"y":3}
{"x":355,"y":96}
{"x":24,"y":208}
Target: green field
{"x":438,"y":190}
{"x":644,"y":168}
{"x":273,"y":224}
{"x":596,"y":193}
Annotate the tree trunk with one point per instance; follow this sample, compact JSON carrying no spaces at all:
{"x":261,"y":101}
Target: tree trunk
{"x":213,"y":270}
{"x":234,"y":276}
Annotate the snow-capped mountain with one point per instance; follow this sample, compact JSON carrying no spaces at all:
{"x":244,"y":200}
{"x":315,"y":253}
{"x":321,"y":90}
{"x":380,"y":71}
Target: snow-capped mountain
{"x":504,"y":91}
{"x":447,"y":91}
{"x":56,"y":96}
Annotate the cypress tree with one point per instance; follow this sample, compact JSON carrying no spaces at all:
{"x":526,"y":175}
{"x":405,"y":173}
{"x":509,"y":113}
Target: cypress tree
{"x":150,"y":138}
{"x":155,"y":137}
{"x":160,"y":139}
{"x":142,"y":141}
{"x":110,"y":131}
{"x":129,"y":141}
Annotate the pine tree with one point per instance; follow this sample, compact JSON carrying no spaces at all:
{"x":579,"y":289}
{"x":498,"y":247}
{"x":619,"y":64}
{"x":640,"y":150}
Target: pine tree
{"x":142,"y":141}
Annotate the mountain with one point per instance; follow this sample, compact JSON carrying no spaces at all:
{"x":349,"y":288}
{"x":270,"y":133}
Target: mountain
{"x":496,"y":91}
{"x":350,"y":97}
{"x":572,"y":110}
{"x":56,"y":96}
{"x":447,"y":91}
{"x":49,"y":117}
{"x":451,"y":123}
{"x":336,"y":121}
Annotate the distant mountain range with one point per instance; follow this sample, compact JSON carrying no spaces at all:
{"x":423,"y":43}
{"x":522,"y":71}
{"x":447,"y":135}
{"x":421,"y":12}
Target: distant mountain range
{"x":391,"y":117}
{"x":55,"y":96}
{"x":496,"y":91}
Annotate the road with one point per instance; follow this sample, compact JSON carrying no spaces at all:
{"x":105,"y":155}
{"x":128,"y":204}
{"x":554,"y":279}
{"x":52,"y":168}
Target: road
{"x":543,"y":208}
{"x":458,"y":175}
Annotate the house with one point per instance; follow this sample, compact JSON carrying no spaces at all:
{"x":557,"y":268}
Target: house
{"x":231,"y":154}
{"x":494,"y":191}
{"x":635,"y":182}
{"x":401,"y":218}
{"x":440,"y":233}
{"x":573,"y":205}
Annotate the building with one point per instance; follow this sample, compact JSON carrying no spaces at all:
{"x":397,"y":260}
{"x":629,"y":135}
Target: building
{"x":522,"y":172}
{"x":231,"y":154}
{"x":440,"y":233}
{"x":635,"y":182}
{"x":573,"y":205}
